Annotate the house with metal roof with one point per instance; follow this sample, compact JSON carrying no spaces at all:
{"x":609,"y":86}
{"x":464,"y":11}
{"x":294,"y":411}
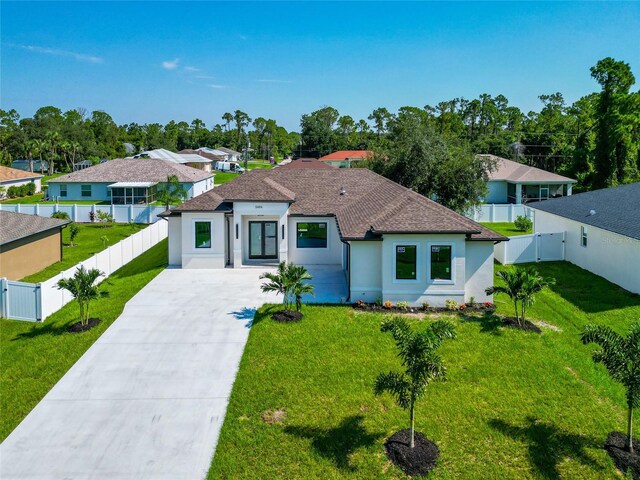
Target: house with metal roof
{"x":374,"y":237}
{"x":602,"y":231}
{"x":517,"y":183}
{"x":127,"y":181}
{"x":190,"y":158}
{"x":28,"y":243}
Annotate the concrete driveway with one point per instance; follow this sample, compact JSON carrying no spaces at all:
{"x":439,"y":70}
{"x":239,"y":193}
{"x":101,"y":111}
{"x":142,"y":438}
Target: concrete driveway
{"x":147,"y":400}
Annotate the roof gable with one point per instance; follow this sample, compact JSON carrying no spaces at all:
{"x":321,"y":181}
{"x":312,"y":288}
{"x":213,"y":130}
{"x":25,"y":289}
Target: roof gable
{"x":9,"y":174}
{"x":518,"y":172}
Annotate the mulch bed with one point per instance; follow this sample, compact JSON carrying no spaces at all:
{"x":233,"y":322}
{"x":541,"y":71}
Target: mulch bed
{"x":527,"y":326}
{"x":79,"y":328}
{"x":374,"y":307}
{"x":623,"y":460}
{"x":418,"y":460}
{"x":286,"y":316}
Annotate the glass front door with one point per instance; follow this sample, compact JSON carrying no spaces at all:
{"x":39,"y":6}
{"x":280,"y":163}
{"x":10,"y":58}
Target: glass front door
{"x":263,"y":242}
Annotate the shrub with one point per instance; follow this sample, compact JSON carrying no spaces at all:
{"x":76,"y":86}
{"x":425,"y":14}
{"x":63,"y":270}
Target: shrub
{"x":3,"y":191}
{"x":360,"y":304}
{"x":12,"y":192}
{"x":106,"y":218}
{"x":404,"y":305}
{"x":472,"y":301}
{"x":30,"y":188}
{"x":379,"y":301}
{"x":523,"y":223}
{"x":60,"y":215}
{"x":387,"y":304}
{"x":425,"y":305}
{"x":92,"y":216}
{"x":451,"y":304}
{"x":73,"y":232}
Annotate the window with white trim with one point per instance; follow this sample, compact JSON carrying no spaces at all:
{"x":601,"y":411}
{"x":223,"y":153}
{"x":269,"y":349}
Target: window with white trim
{"x":406,"y":262}
{"x":440,"y":259}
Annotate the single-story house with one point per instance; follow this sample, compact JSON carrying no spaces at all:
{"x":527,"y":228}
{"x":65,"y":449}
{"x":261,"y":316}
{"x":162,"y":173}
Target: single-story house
{"x":232,"y":155}
{"x":602,"y":231}
{"x":193,"y":160}
{"x":12,"y":177}
{"x":306,"y":163}
{"x":23,"y":164}
{"x":28,"y":243}
{"x":514,"y":182}
{"x":386,"y":241}
{"x":126,"y":181}
{"x":345,"y":158}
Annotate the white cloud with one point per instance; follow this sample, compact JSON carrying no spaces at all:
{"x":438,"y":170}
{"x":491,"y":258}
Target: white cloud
{"x":81,"y":57}
{"x":214,"y":85}
{"x":191,"y":69}
{"x":273,"y":80}
{"x":170,"y":64}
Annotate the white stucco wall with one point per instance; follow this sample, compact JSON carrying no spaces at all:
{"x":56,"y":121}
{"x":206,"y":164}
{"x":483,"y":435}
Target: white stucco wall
{"x":22,"y":181}
{"x":175,"y":241}
{"x":610,"y":255}
{"x":243,"y":213}
{"x":201,"y":187}
{"x":213,"y":257}
{"x":496,"y":191}
{"x":478,"y":271}
{"x":332,"y":255}
{"x":366,"y":270}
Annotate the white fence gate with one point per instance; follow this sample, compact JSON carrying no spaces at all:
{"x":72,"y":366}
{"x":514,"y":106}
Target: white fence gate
{"x":36,"y":301}
{"x":491,"y":212}
{"x":82,"y":213}
{"x":538,"y":247}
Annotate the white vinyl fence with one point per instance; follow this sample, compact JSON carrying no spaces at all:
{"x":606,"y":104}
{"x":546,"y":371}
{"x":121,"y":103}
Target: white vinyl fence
{"x":491,"y":212}
{"x":36,"y":301}
{"x":538,"y":247}
{"x":81,"y":213}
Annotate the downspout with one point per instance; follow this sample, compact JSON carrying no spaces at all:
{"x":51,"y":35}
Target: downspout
{"x":348,"y":269}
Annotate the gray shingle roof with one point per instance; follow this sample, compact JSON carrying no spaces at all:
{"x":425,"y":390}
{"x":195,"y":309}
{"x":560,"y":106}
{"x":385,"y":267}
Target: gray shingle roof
{"x":15,"y":226}
{"x":518,"y":172}
{"x":363,"y":202}
{"x":617,"y":209}
{"x":134,"y":170}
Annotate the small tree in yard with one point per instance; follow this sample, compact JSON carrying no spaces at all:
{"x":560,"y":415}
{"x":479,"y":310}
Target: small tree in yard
{"x":418,"y":353}
{"x":288,"y":281}
{"x":621,"y":357}
{"x":520,"y":285}
{"x":297,"y":276}
{"x":522,"y":223}
{"x":83,"y":288}
{"x":172,"y":192}
{"x":73,"y":233}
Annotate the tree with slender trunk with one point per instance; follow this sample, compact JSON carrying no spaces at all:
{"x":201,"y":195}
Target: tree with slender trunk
{"x":621,"y":357}
{"x":298,"y":279}
{"x":171,"y":192}
{"x":417,"y":350}
{"x":83,"y":288}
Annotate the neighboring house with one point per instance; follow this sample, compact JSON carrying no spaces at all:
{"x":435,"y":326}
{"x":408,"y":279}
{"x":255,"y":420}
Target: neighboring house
{"x":232,"y":155}
{"x":86,"y":164}
{"x":127,"y":181}
{"x":12,"y":177}
{"x":346,"y":158}
{"x":193,"y":159}
{"x":514,"y":182}
{"x":28,"y":243}
{"x":306,"y":163}
{"x":390,"y":242}
{"x":602,"y":231}
{"x":23,"y":164}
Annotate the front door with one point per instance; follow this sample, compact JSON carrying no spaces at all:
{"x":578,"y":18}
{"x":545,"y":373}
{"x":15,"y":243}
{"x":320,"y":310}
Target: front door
{"x":263,"y":241}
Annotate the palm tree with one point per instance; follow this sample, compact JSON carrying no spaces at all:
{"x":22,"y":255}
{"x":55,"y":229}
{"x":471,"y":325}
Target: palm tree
{"x":278,"y":282}
{"x":621,"y":357}
{"x":228,"y":118}
{"x":289,"y":281}
{"x":297,"y":275}
{"x":520,"y":285}
{"x":83,"y":288}
{"x":172,"y":192}
{"x":417,"y":351}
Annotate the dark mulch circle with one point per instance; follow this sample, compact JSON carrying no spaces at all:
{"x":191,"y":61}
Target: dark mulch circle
{"x":286,"y":316}
{"x":527,"y":326}
{"x":79,"y":328}
{"x":418,"y":460}
{"x":624,"y":461}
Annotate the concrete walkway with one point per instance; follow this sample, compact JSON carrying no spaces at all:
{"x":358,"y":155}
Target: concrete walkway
{"x":147,"y":400}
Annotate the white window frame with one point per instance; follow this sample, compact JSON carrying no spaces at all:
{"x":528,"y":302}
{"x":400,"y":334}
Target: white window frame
{"x":453,"y":263}
{"x":584,"y":236}
{"x":418,"y":269}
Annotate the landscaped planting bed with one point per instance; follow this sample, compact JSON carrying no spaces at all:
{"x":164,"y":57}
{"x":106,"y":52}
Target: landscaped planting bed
{"x":515,"y":405}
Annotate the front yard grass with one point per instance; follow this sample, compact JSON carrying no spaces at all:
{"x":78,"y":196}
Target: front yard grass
{"x":36,"y":356}
{"x":507,"y":229}
{"x":516,"y":404}
{"x":88,"y":242}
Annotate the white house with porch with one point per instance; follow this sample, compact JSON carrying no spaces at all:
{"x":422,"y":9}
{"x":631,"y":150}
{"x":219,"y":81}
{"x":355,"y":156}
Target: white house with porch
{"x":364,"y":235}
{"x":516,"y":183}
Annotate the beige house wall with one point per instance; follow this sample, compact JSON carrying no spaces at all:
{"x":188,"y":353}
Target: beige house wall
{"x":30,"y":255}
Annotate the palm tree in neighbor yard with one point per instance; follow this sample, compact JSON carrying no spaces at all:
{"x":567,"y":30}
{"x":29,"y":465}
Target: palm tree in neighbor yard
{"x":417,"y":350}
{"x":172,"y":192}
{"x":621,"y":357}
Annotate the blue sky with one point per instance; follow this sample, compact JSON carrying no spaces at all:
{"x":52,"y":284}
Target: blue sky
{"x":153,"y":62}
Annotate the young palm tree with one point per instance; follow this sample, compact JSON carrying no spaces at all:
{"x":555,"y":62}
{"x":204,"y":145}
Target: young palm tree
{"x":278,"y":282}
{"x":83,"y":288}
{"x":297,"y":276}
{"x":289,"y":282}
{"x":621,"y":357}
{"x":418,"y":353}
{"x":172,"y":192}
{"x":520,"y":285}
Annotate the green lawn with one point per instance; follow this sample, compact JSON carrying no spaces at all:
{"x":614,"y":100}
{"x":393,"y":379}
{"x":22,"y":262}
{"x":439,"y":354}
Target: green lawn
{"x":516,"y":404}
{"x":38,"y":198}
{"x":88,"y":242}
{"x":505,"y":228}
{"x":36,"y":356}
{"x":224,"y":177}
